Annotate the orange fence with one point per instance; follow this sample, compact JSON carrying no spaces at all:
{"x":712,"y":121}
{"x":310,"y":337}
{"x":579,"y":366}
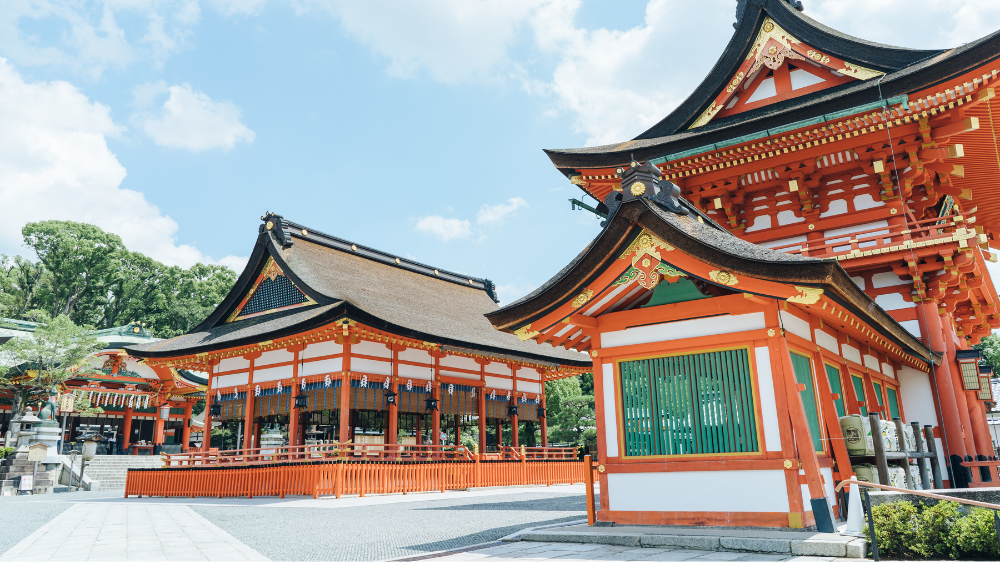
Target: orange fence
{"x":348,"y":478}
{"x":319,"y":452}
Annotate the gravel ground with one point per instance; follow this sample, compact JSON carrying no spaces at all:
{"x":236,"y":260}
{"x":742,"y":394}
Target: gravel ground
{"x":380,"y":532}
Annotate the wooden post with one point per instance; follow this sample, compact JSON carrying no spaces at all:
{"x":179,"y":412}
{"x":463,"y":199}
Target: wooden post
{"x":513,"y":422}
{"x":186,"y":432}
{"x":345,"y":395}
{"x":481,"y":408}
{"x":588,"y":484}
{"x":393,"y":429}
{"x":436,"y":414}
{"x":544,"y":424}
{"x":206,"y":432}
{"x":458,"y":430}
{"x":127,"y":430}
{"x":932,"y":448}
{"x":901,"y":441}
{"x":248,"y":437}
{"x":880,"y":461}
{"x":945,"y":383}
{"x":922,"y":460}
{"x":293,"y":418}
{"x":499,"y":433}
{"x":420,"y":429}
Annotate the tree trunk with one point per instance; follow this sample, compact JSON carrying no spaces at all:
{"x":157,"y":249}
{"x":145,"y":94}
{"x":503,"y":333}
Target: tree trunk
{"x":16,"y":412}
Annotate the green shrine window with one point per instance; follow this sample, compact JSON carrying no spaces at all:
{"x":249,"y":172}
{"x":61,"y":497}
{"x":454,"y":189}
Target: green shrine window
{"x":893,"y":402}
{"x":833,"y":374}
{"x":803,"y":375}
{"x":696,"y":404}
{"x":859,"y":393}
{"x":878,"y":395}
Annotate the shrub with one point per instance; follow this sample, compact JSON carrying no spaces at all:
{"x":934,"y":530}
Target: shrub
{"x":905,"y":530}
{"x":934,"y":535}
{"x":4,"y":451}
{"x":976,"y":535}
{"x":896,"y":526}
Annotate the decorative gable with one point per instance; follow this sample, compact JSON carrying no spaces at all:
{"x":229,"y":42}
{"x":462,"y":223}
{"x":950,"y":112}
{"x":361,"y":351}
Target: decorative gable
{"x":271,"y":292}
{"x":779,"y":67}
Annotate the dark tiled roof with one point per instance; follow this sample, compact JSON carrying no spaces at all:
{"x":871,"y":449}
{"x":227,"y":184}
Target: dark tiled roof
{"x":345,"y":279}
{"x":906,"y":70}
{"x":710,"y":244}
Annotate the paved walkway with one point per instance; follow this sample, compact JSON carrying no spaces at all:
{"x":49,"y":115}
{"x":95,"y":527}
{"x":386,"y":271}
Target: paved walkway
{"x":122,"y":531}
{"x":527,"y":551}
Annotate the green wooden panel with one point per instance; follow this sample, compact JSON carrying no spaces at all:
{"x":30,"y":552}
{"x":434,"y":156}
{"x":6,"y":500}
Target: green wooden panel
{"x":833,"y":374}
{"x":859,"y":393}
{"x":691,"y":404}
{"x":803,"y":375}
{"x":878,"y":393}
{"x":893,"y":402}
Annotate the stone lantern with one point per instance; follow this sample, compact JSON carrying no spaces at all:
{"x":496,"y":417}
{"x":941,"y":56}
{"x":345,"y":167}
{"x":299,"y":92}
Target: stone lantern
{"x":27,"y":431}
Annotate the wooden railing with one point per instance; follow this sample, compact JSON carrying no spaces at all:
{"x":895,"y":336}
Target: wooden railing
{"x":331,"y":478}
{"x":538,"y":453}
{"x":926,"y":232}
{"x":314,"y":453}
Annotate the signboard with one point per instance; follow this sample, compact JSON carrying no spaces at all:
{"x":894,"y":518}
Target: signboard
{"x":27,"y":483}
{"x":66,"y":403}
{"x":38,"y":452}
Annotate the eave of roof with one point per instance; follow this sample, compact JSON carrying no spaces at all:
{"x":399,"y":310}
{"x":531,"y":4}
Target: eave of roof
{"x":713,"y":246}
{"x":935,"y":68}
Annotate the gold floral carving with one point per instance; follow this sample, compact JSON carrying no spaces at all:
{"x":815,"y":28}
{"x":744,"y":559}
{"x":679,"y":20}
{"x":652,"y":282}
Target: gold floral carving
{"x":770,"y":30}
{"x":637,"y":188}
{"x":809,"y":295}
{"x":645,"y":245}
{"x":859,"y":72}
{"x":723,"y":277}
{"x":818,"y":57}
{"x":736,"y":82}
{"x":525,"y":333}
{"x":582,"y":298}
{"x":707,"y":115}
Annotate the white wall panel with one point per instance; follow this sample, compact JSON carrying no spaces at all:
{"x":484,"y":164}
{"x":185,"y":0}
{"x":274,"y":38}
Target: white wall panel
{"x":768,"y":406}
{"x":416,"y":355}
{"x":272,"y":374}
{"x":495,"y":368}
{"x":610,"y":410}
{"x":370,"y":366}
{"x":888,"y":371}
{"x":684,"y":329}
{"x":851,"y":353}
{"x":141,"y":369}
{"x":795,"y":325}
{"x":322,"y":348}
{"x":375,"y":349}
{"x":232,"y":364}
{"x":459,"y":362}
{"x":827,"y":341}
{"x":893,"y":301}
{"x":272,"y":357}
{"x":322,"y":367}
{"x":230,"y":380}
{"x":917,"y":394}
{"x":912,"y":326}
{"x":498,"y":382}
{"x":532,"y":387}
{"x":423,"y":373}
{"x":713,"y":490}
{"x":872,"y":363}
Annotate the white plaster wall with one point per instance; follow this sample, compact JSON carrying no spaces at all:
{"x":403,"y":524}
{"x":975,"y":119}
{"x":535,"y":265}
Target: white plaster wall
{"x":414,"y":371}
{"x":684,"y":329}
{"x":460,"y":362}
{"x":828,"y":486}
{"x":888,"y":279}
{"x":838,"y":207}
{"x":851,"y":353}
{"x":320,"y":349}
{"x":893,"y":301}
{"x":416,"y":355}
{"x":527,"y":373}
{"x":272,"y":357}
{"x":768,"y":406}
{"x":359,"y":365}
{"x":730,"y":490}
{"x":143,"y":370}
{"x":272,"y":374}
{"x":760,"y":222}
{"x":912,"y":326}
{"x":322,"y":367}
{"x":871,"y":362}
{"x":795,"y":325}
{"x":375,"y":349}
{"x":888,"y":371}
{"x":610,"y":409}
{"x":233,"y":364}
{"x":230,"y":380}
{"x":501,"y":369}
{"x":534,"y":387}
{"x":866,"y":201}
{"x":917,"y":395}
{"x":859,"y":281}
{"x":497,"y":382}
{"x":784,"y":242}
{"x":788,"y":217}
{"x":855,"y":228}
{"x":826,"y":341}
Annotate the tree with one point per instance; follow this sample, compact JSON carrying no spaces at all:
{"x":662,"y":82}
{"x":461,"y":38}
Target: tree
{"x":990,"y":348}
{"x":193,"y":295}
{"x":137,"y":288}
{"x":79,"y":257}
{"x":38,"y":364}
{"x":570,"y":412}
{"x":20,"y":281}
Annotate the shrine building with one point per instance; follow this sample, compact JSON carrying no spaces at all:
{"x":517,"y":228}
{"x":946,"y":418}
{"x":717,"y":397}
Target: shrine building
{"x":805,"y":237}
{"x":325,"y":340}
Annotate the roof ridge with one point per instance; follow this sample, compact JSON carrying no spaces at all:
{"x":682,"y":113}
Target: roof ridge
{"x":287,"y":229}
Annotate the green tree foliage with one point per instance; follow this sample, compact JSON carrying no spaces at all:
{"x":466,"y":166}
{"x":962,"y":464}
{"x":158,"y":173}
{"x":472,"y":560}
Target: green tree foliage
{"x":89,"y":275}
{"x":33,"y":367}
{"x":990,"y":348}
{"x":570,"y":413}
{"x":915,"y":531}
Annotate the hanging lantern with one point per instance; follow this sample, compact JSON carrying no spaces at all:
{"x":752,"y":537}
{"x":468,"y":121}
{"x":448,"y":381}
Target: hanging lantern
{"x":541,"y":413}
{"x":327,"y":382}
{"x":301,"y":401}
{"x":511,"y":411}
{"x":432,"y":404}
{"x":164,"y":411}
{"x":215,"y":410}
{"x":390,"y":397}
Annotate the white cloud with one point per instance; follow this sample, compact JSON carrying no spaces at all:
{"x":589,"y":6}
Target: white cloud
{"x":510,"y":292}
{"x":238,"y":7}
{"x":495,"y":213}
{"x":445,"y":229}
{"x":450,"y":40}
{"x":190,"y":119}
{"x":55,"y":165}
{"x":89,"y":37}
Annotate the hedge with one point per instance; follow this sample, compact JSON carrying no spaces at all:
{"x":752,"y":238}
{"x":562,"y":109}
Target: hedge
{"x":918,"y":531}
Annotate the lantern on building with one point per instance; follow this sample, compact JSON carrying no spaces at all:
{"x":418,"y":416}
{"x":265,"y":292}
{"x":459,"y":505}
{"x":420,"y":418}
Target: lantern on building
{"x":164,"y":411}
{"x":968,"y":362}
{"x":390,"y":397}
{"x":432,"y":404}
{"x":541,"y":413}
{"x":215,"y":410}
{"x":511,"y":411}
{"x":302,"y":400}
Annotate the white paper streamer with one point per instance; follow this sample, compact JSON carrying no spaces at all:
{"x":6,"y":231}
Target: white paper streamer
{"x":364,"y":381}
{"x":327,"y":382}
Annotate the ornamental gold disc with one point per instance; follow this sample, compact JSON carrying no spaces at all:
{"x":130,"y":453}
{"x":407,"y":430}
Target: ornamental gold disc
{"x":637,"y":188}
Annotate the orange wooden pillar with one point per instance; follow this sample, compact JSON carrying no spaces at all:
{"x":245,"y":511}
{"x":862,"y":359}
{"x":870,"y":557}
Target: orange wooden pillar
{"x":249,"y":438}
{"x":544,"y":420}
{"x":513,"y":420}
{"x":960,"y":395}
{"x":293,"y":412}
{"x":481,"y":412}
{"x":345,"y":395}
{"x":458,"y":430}
{"x":954,"y":440}
{"x":186,"y":432}
{"x":206,"y":435}
{"x":436,"y":414}
{"x":392,"y":434}
{"x":127,"y":430}
{"x":158,"y":426}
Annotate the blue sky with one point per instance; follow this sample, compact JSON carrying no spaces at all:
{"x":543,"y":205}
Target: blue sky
{"x":413,"y":127}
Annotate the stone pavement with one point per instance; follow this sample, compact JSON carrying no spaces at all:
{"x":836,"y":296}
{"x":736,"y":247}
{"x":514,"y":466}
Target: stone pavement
{"x":530,"y":551}
{"x":119,"y":531}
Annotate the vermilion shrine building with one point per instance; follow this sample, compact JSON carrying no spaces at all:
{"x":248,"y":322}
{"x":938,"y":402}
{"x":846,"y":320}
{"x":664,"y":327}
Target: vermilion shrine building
{"x":825,"y":254}
{"x":329,"y":340}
